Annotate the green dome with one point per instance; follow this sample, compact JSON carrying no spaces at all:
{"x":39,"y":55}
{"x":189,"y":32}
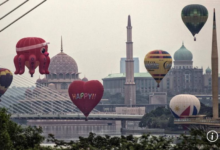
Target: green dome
{"x":208,"y":70}
{"x":183,"y":54}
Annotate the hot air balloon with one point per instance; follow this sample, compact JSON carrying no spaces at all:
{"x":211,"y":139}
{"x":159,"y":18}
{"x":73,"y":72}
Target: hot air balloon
{"x":184,"y":105}
{"x":5,"y":80}
{"x":158,"y":63}
{"x":194,"y":17}
{"x":32,"y":52}
{"x":86,"y":95}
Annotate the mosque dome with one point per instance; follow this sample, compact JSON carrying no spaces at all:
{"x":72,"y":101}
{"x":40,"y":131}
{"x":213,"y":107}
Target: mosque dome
{"x":39,"y":80}
{"x":62,"y":63}
{"x":44,"y":80}
{"x":208,"y":70}
{"x":183,"y":54}
{"x":85,"y":79}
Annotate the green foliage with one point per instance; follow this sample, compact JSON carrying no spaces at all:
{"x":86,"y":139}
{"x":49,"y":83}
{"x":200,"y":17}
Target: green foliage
{"x":196,"y":141}
{"x":145,"y":142}
{"x":113,"y":99}
{"x":14,"y":137}
{"x":5,"y":139}
{"x":158,"y":118}
{"x":141,"y":99}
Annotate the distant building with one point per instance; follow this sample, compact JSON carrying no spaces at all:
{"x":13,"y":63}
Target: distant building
{"x":158,"y":98}
{"x":182,"y":78}
{"x":130,"y":110}
{"x":136,"y":65}
{"x":63,"y":71}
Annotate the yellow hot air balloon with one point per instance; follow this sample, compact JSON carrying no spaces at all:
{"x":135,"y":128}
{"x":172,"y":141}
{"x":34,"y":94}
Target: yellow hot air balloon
{"x":158,"y":63}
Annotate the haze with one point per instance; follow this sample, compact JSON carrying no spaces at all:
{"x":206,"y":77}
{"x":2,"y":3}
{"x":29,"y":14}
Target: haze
{"x":94,"y":31}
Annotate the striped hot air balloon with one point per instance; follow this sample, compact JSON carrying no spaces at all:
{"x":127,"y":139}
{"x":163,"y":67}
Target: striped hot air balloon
{"x":5,"y":80}
{"x":158,"y":63}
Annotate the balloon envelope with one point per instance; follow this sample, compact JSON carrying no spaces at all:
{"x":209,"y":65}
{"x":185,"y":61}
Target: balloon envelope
{"x":184,"y":105}
{"x":32,"y":52}
{"x":158,"y":63}
{"x":194,"y":17}
{"x":86,"y":95}
{"x":5,"y":80}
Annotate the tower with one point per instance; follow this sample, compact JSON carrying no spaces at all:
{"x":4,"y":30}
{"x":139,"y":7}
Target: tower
{"x":214,"y":59}
{"x":130,"y":87}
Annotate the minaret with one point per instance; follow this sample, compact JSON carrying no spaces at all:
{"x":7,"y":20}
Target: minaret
{"x":214,"y":70}
{"x":130,"y":87}
{"x":61,"y":44}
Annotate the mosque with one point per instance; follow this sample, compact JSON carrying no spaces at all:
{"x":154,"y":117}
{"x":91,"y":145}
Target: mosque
{"x":63,"y":71}
{"x":182,"y":78}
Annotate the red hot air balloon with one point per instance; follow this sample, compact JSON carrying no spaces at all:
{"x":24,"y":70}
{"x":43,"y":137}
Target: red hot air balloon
{"x":32,"y":52}
{"x":86,"y":95}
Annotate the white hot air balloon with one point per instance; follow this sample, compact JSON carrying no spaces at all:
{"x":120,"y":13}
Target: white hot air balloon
{"x":184,"y":105}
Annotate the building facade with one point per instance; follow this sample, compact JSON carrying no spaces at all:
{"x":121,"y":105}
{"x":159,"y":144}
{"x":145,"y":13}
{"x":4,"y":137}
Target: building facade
{"x":136,"y":65}
{"x":182,"y":78}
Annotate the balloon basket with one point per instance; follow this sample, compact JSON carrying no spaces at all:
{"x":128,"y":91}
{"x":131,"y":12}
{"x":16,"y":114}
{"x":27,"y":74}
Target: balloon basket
{"x":86,"y":119}
{"x":31,"y":75}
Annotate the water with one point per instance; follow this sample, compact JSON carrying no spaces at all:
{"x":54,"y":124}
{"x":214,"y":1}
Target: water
{"x":71,"y":130}
{"x":68,"y":130}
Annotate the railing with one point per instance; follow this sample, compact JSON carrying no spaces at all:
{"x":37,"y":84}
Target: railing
{"x":77,"y":116}
{"x":197,"y":120}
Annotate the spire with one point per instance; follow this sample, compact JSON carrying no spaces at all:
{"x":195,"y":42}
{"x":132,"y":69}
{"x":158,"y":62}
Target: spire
{"x":61,"y":44}
{"x":183,"y":43}
{"x":129,"y":21}
{"x":214,"y":71}
{"x":214,"y":24}
{"x":214,"y":15}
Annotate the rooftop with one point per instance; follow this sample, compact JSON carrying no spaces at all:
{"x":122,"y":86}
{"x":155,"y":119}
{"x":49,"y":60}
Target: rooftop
{"x":122,"y":75}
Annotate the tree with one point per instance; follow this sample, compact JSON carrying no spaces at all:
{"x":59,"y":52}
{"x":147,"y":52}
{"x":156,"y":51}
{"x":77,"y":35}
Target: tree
{"x":159,"y":118}
{"x":113,"y":99}
{"x":141,"y":99}
{"x":145,"y":142}
{"x":13,"y":136}
{"x":196,"y":141}
{"x":5,"y":139}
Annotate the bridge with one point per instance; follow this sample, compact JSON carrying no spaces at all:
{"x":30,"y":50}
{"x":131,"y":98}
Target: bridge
{"x":200,"y":121}
{"x":205,"y":123}
{"x":77,"y":116}
{"x":42,"y":103}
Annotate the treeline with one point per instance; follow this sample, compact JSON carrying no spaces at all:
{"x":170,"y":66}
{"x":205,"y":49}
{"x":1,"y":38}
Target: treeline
{"x":15,"y":137}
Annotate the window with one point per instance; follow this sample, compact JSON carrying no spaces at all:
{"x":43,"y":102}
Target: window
{"x":54,"y":76}
{"x":64,"y":86}
{"x":67,"y":76}
{"x":60,"y":76}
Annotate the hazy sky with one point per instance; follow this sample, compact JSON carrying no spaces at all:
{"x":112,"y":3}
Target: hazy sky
{"x":94,"y":31}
